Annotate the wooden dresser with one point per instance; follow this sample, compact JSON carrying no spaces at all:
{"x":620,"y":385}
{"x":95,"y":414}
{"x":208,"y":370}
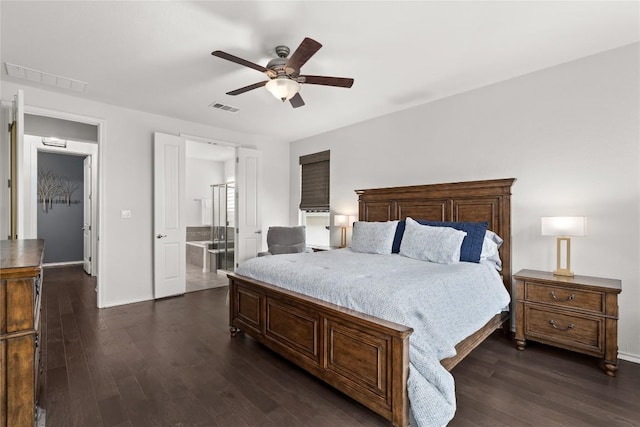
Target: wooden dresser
{"x":579,"y":313}
{"x":21,"y":361}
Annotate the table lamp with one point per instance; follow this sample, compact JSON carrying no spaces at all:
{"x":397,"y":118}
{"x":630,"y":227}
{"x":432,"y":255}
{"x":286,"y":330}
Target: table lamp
{"x":343,"y":221}
{"x":563,"y":227}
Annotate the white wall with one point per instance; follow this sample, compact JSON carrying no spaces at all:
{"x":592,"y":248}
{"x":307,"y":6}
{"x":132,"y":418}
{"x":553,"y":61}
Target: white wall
{"x":57,"y":128}
{"x":230,"y":171}
{"x":201,"y":174}
{"x":569,"y":134}
{"x":126,"y":264}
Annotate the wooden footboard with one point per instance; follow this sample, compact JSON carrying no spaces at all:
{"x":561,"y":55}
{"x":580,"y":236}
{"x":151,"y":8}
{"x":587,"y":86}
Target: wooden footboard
{"x":365,"y":357}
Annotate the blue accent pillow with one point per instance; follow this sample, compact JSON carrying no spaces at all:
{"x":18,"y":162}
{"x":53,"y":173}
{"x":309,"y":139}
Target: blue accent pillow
{"x":471,"y":245}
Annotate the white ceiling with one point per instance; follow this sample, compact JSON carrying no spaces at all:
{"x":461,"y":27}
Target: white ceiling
{"x":155,"y":56}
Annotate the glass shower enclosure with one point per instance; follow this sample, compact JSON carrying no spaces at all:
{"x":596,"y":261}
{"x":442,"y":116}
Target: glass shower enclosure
{"x":223,"y":228}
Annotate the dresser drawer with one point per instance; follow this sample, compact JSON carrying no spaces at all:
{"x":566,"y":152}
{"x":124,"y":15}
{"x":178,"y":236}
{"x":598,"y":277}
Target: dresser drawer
{"x":583,"y":333}
{"x":565,"y":297}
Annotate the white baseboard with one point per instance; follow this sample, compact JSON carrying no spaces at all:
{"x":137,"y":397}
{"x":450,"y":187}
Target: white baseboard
{"x":629,"y":357}
{"x":62,"y":264}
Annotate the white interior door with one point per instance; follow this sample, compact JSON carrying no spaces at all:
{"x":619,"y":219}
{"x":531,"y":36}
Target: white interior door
{"x":248,"y":215}
{"x":86,"y":222}
{"x":169,"y":251}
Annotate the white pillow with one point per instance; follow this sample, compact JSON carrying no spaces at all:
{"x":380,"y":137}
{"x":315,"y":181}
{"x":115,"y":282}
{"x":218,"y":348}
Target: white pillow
{"x":436,"y":244}
{"x":490,"y":246}
{"x":373,"y":237}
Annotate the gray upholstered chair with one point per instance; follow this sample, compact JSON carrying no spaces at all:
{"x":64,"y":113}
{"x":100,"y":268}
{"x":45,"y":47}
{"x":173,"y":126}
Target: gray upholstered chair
{"x":286,"y":240}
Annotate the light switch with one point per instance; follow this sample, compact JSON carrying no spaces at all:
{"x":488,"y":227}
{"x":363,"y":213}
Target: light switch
{"x":126,"y":214}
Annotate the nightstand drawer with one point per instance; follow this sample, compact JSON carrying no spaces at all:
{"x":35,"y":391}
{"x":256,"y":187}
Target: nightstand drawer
{"x":565,"y":297}
{"x":564,"y":330}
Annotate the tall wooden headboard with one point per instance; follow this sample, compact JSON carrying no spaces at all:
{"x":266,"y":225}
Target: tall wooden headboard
{"x":472,"y":201}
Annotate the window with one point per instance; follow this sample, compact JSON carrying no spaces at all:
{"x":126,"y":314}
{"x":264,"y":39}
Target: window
{"x":317,"y":228}
{"x":314,"y":197}
{"x":314,"y":190}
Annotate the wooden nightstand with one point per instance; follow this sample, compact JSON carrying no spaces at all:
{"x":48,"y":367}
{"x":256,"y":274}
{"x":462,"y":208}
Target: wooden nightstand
{"x":577,"y":313}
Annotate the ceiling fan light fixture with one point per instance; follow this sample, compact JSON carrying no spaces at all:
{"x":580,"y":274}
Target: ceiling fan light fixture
{"x":285,"y":78}
{"x":283,"y":88}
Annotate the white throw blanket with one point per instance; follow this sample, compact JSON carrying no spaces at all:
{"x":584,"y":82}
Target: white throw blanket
{"x":443,"y":304}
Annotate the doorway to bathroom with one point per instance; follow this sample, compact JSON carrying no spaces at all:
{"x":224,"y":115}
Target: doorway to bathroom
{"x":210,"y":214}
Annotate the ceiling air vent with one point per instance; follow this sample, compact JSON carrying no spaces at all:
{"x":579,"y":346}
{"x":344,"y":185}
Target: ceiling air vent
{"x":227,"y":108}
{"x":37,"y":76}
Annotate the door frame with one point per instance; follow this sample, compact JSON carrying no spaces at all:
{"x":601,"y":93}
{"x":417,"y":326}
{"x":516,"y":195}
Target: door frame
{"x":99,"y":226}
{"x":74,"y":148}
{"x":88,"y":214}
{"x":239,"y":151}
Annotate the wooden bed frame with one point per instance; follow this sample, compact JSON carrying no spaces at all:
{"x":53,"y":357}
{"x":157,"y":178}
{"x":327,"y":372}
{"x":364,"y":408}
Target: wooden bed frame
{"x":365,"y":357}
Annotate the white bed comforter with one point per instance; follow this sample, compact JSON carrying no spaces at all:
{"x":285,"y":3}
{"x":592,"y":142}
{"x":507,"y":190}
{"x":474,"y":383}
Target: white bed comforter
{"x":443,"y":304}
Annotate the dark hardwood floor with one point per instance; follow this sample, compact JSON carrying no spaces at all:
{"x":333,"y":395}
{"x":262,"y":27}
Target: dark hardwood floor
{"x":173,"y":363}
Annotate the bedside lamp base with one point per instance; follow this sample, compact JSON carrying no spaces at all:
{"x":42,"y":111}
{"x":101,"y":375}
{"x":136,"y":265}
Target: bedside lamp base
{"x":563,"y":272}
{"x":560,"y":271}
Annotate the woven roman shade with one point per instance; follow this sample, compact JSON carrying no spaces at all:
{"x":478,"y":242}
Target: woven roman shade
{"x":314,"y":192}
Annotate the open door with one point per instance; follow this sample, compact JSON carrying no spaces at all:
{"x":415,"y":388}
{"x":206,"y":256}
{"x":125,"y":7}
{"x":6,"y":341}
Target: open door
{"x":86,"y":223}
{"x":248,"y":215}
{"x":29,"y":218}
{"x":16,"y":153}
{"x":169,"y":251}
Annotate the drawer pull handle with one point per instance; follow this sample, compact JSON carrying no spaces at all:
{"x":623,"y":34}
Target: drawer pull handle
{"x":553,"y":323}
{"x":569,"y":298}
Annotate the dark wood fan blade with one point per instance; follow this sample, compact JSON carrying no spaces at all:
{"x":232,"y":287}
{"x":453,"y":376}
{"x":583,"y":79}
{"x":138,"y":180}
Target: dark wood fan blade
{"x":328,"y":81}
{"x":306,"y":50}
{"x":296,"y":101}
{"x":229,"y":57}
{"x":247,"y":88}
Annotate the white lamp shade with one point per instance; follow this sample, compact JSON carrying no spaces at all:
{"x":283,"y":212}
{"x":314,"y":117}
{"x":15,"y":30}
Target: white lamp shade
{"x":344,"y":220}
{"x":564,"y":225}
{"x":283,"y":88}
{"x":341,"y":220}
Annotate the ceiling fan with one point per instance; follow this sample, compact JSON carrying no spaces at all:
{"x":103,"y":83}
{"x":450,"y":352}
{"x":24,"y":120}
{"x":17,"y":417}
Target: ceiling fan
{"x":284,"y":75}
